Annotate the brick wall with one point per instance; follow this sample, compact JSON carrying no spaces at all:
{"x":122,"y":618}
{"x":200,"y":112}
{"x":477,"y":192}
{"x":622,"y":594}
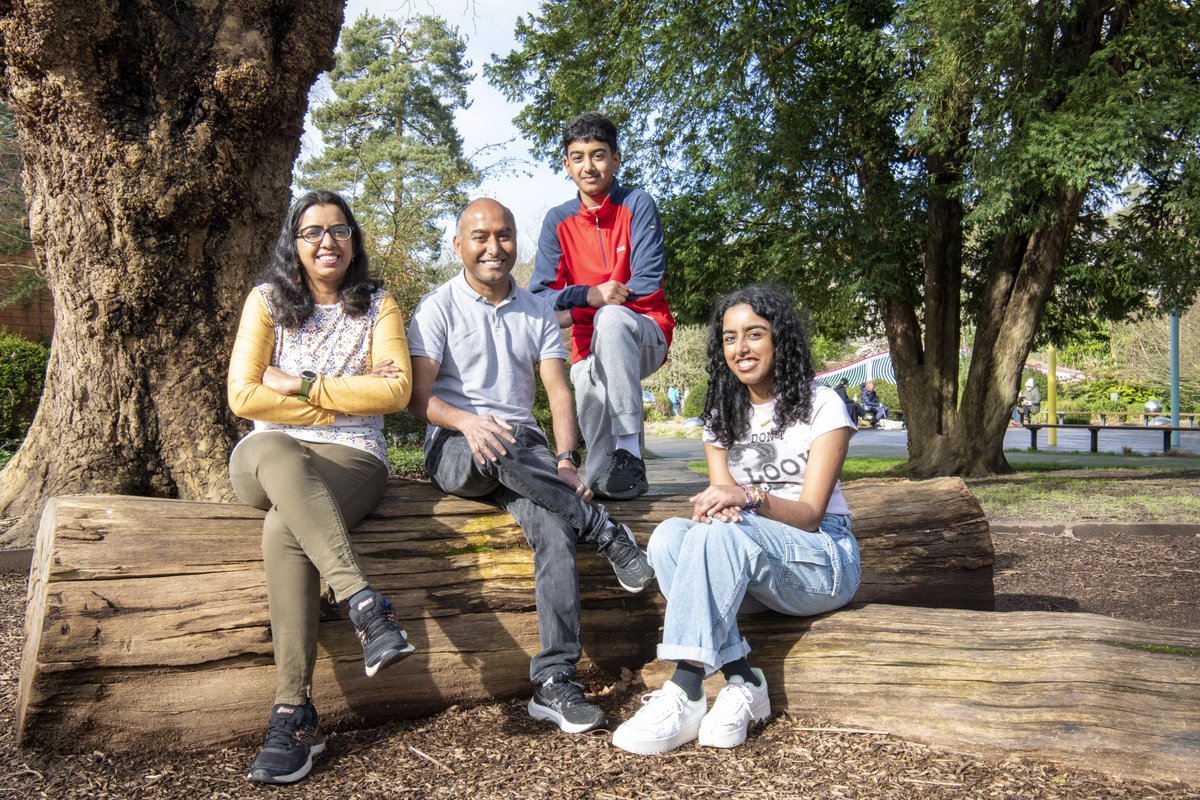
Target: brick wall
{"x":33,"y":317}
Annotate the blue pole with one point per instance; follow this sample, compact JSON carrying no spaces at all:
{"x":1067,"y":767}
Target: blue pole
{"x":1174,"y":377}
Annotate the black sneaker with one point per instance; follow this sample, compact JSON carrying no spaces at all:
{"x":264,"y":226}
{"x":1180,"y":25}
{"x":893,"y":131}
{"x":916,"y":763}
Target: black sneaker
{"x":563,"y":703}
{"x":293,"y":738}
{"x":623,"y":479}
{"x":628,"y":561}
{"x":383,"y":642}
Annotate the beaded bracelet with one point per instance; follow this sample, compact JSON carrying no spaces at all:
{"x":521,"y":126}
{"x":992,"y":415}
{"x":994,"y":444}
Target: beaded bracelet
{"x":754,"y":497}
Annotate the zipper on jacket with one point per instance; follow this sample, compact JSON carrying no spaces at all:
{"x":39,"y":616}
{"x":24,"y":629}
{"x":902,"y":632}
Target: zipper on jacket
{"x":600,"y":239}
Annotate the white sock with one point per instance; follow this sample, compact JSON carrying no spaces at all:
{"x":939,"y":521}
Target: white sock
{"x":628,"y":442}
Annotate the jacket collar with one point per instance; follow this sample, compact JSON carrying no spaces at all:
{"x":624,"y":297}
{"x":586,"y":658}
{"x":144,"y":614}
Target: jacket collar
{"x":605,"y":211}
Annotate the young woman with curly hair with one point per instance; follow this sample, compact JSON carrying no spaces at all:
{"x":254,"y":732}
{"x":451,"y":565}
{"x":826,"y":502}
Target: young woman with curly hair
{"x":772,"y":530}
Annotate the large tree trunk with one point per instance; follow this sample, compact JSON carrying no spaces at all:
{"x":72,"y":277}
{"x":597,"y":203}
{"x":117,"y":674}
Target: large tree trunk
{"x":142,"y":609}
{"x":158,"y":141}
{"x":966,"y":438}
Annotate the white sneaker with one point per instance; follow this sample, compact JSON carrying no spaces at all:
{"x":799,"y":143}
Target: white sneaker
{"x":667,"y":720}
{"x":737,"y":706}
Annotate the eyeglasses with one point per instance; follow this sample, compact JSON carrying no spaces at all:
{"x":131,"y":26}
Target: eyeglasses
{"x":314,"y":234}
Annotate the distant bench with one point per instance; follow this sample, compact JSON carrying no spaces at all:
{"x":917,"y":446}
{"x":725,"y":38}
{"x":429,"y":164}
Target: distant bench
{"x":1190,"y":419}
{"x":1094,"y":430}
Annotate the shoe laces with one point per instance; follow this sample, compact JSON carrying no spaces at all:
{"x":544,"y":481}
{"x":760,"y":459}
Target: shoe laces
{"x":622,"y":549}
{"x":733,"y":700}
{"x":380,"y":619}
{"x":286,"y":732}
{"x":568,"y":693}
{"x":662,"y":704}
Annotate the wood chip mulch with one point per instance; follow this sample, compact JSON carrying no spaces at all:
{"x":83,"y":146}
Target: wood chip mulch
{"x":497,"y":751}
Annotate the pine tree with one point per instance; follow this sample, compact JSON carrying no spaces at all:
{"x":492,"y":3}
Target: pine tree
{"x":390,"y":142}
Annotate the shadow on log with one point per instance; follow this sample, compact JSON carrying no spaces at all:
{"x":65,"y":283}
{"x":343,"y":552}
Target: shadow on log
{"x":141,"y":610}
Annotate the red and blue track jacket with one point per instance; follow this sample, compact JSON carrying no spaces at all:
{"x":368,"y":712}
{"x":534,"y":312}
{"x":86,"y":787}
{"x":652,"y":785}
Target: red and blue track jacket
{"x":581,"y":247}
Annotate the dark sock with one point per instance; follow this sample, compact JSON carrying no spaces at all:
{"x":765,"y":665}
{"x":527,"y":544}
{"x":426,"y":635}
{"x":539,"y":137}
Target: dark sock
{"x":690,"y":678}
{"x":741,"y":667}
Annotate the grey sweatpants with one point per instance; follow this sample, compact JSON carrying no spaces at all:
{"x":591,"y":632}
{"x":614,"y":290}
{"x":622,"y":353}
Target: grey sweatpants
{"x":626,"y":347}
{"x":313,"y":493}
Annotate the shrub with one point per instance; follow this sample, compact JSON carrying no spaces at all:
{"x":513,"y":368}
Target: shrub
{"x":22,"y":375}
{"x":693,"y":406}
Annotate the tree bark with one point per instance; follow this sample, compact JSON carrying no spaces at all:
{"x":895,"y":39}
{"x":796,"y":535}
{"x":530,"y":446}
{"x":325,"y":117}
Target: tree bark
{"x":157,"y":141}
{"x":966,"y":437}
{"x":143,"y":609}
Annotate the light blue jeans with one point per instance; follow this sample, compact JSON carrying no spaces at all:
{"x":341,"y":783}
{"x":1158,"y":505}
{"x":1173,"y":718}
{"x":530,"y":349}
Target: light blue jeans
{"x":710,"y":571}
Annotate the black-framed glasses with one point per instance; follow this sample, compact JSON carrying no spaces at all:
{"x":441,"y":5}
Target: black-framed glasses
{"x":313,"y":234}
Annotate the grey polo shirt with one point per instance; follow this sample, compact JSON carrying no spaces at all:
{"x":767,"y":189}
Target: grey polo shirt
{"x":487,"y":353}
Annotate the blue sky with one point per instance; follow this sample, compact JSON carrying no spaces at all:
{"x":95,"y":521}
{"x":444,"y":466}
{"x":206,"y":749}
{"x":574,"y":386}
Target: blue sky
{"x":487,"y":26}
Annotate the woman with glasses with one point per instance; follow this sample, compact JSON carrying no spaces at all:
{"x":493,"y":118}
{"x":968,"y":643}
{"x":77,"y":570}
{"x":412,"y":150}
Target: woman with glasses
{"x":320,"y":357}
{"x":772,"y":530}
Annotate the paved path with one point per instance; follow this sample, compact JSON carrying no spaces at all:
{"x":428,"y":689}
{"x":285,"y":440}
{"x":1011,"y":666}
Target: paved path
{"x":1144,"y":449}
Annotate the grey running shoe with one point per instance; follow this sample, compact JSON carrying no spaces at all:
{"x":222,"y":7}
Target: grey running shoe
{"x":628,"y":561}
{"x":563,"y":703}
{"x":623,"y":478}
{"x":384,"y":643}
{"x":293,"y":738}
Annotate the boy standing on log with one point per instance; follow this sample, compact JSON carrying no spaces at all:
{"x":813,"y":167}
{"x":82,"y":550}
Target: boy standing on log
{"x":600,"y":263}
{"x":475,"y":342}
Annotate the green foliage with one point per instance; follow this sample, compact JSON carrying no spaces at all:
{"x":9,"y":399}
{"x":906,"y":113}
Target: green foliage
{"x":914,"y":163}
{"x":22,"y":374}
{"x":14,"y":238}
{"x":402,"y":428}
{"x":390,"y":142}
{"x":693,"y":406}
{"x":887,"y":394}
{"x":407,"y":461}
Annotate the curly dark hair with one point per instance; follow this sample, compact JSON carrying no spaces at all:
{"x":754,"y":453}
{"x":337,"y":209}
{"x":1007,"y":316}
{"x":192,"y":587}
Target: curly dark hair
{"x":727,"y":406}
{"x":291,"y":300}
{"x":590,"y":127}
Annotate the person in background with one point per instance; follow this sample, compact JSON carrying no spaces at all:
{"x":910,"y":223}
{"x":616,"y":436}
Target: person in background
{"x":1029,"y":402}
{"x":320,"y":356}
{"x":675,"y":398}
{"x":871,"y":407}
{"x":851,"y":405}
{"x":772,"y":530}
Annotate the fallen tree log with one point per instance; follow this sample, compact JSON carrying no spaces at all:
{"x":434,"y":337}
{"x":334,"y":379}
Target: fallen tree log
{"x":1081,"y":689}
{"x":142,"y":610}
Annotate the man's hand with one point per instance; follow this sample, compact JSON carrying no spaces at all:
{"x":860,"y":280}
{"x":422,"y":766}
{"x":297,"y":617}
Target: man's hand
{"x":565,"y":320}
{"x":609,"y":293}
{"x":569,"y":476}
{"x":486,"y":435}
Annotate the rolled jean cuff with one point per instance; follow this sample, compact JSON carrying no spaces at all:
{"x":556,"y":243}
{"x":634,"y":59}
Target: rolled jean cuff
{"x":711,"y":659}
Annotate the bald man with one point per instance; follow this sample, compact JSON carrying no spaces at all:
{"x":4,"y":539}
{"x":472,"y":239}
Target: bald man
{"x":476,"y":342}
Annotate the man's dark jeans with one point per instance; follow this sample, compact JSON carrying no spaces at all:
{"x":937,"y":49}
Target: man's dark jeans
{"x":525,"y":483}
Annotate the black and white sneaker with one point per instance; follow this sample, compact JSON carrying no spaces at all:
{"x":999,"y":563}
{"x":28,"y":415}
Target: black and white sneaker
{"x":623,"y":478}
{"x":293,"y":738}
{"x":628,"y":561}
{"x":384,"y":643}
{"x":563,"y":703}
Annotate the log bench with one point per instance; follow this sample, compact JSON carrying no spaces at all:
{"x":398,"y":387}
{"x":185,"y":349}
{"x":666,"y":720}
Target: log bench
{"x":142,"y":610}
{"x":1094,"y":430}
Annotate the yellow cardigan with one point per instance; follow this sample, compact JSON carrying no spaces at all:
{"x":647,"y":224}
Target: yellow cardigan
{"x":359,"y":395}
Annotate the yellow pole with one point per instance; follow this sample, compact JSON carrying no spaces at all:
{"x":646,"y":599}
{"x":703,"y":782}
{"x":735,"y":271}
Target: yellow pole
{"x":1051,"y":396}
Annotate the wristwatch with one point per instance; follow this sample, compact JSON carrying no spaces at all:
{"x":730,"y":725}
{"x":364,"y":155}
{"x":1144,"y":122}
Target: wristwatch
{"x":570,"y":455}
{"x":307,"y":376}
